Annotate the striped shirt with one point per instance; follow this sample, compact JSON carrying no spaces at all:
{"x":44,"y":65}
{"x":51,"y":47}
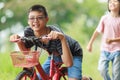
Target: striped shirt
{"x":54,"y":45}
{"x":110,"y":28}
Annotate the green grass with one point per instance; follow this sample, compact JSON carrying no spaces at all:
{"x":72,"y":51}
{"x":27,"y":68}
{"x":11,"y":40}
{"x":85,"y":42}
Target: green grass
{"x":90,"y":61}
{"x":7,"y":71}
{"x":90,"y":64}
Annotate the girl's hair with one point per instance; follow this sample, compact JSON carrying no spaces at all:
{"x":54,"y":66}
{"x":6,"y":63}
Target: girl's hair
{"x":109,"y":9}
{"x":39,"y":8}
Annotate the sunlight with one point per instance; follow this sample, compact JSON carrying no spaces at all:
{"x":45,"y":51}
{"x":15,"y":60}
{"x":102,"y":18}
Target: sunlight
{"x":79,"y":1}
{"x":1,"y":5}
{"x":3,"y":19}
{"x":102,"y":1}
{"x":9,"y":13}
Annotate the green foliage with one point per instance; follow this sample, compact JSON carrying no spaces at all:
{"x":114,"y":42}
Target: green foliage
{"x":74,"y":29}
{"x":93,"y":10}
{"x":77,"y":20}
{"x":59,"y":12}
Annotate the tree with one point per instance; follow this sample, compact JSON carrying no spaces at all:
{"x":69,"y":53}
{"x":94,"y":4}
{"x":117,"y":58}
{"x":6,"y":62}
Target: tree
{"x":16,"y":11}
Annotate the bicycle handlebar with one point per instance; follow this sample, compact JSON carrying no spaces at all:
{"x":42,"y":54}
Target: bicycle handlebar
{"x":24,"y":39}
{"x":31,"y":38}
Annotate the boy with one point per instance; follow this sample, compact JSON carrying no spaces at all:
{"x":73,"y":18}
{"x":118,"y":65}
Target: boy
{"x":68,"y":50}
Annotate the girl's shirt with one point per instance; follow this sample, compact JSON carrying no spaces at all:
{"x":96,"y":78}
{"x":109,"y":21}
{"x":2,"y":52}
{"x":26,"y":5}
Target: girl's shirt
{"x":110,"y":27}
{"x":53,"y":45}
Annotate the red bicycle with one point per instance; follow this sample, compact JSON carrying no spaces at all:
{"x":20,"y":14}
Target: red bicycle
{"x":29,"y":61}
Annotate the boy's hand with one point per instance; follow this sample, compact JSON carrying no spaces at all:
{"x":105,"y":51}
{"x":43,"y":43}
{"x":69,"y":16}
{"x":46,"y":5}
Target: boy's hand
{"x":14,"y":38}
{"x":56,"y":35}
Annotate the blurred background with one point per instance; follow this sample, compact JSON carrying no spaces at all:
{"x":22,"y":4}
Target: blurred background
{"x":77,"y":18}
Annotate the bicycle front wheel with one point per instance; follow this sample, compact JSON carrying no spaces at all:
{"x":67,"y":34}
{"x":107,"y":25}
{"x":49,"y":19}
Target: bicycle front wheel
{"x":26,"y":75}
{"x":62,"y":75}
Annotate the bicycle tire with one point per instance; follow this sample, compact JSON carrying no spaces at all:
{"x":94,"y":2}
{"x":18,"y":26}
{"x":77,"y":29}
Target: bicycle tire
{"x":25,"y":75}
{"x":62,"y":75}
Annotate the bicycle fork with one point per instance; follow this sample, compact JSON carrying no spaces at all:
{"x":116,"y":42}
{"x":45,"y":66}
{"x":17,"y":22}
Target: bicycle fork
{"x":44,"y":76}
{"x":52,"y":65}
{"x":54,"y":70}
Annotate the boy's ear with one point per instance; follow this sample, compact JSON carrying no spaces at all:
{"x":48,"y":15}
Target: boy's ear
{"x":47,"y":18}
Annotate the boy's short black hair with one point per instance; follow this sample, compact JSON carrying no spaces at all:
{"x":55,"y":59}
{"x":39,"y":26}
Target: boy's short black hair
{"x":39,"y":8}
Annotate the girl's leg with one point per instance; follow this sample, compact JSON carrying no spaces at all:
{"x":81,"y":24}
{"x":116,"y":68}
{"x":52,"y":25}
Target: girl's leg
{"x":116,"y":66}
{"x":103,"y":65}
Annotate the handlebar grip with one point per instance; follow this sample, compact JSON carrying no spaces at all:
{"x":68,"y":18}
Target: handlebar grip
{"x":31,"y":39}
{"x":16,"y":40}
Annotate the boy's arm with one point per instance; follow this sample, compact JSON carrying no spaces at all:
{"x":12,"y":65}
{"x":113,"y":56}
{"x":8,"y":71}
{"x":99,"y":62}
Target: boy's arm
{"x":19,"y":43}
{"x":67,"y":55}
{"x":22,"y":46}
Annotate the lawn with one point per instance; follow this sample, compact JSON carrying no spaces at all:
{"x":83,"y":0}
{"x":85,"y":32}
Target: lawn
{"x":90,"y":62}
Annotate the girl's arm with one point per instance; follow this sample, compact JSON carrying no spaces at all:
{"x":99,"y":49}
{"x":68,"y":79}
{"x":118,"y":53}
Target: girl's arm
{"x":89,"y":46}
{"x":113,"y":40}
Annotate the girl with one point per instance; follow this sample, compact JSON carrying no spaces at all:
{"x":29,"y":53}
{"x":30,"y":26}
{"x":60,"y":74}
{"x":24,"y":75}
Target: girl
{"x":109,"y":26}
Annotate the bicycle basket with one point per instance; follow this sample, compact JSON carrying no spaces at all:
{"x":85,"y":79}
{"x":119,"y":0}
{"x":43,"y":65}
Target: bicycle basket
{"x":25,"y":58}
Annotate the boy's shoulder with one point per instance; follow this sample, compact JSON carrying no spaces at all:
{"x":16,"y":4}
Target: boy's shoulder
{"x":55,"y":28}
{"x":28,"y":31}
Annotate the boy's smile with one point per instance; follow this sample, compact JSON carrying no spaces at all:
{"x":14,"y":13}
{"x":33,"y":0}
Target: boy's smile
{"x":37,"y":20}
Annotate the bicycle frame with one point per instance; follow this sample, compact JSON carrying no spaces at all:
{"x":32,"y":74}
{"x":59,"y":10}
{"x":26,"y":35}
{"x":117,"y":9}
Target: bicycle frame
{"x":44,"y":76}
{"x":54,"y":70}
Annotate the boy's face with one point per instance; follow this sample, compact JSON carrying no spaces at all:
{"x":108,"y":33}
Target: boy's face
{"x":37,"y":20}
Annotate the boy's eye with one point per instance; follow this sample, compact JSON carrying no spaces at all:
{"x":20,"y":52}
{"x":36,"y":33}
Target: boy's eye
{"x":31,"y":18}
{"x":41,"y":17}
{"x":37,"y":18}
